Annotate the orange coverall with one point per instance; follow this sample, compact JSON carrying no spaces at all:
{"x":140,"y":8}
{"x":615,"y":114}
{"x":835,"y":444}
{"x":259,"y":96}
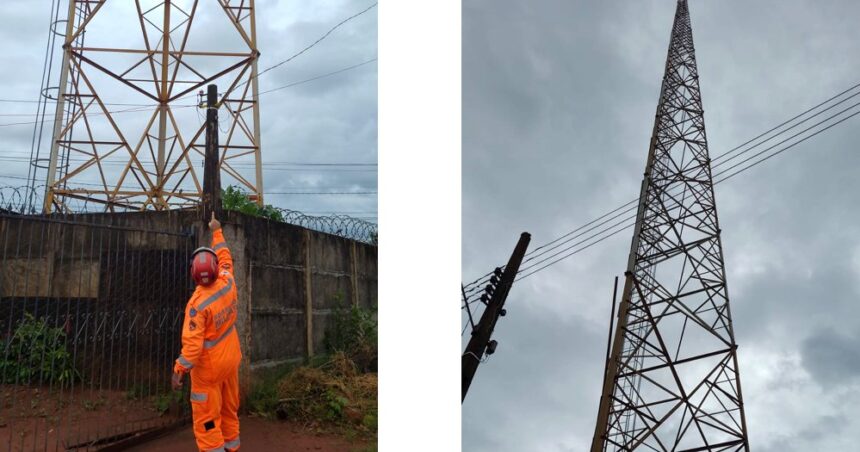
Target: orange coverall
{"x":210,"y":350}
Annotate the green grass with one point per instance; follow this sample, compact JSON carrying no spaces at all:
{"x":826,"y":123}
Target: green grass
{"x":262,"y":399}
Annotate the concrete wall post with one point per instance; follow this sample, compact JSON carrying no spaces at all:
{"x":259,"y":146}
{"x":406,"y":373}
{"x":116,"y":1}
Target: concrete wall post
{"x":309,"y":305}
{"x":354,"y":261}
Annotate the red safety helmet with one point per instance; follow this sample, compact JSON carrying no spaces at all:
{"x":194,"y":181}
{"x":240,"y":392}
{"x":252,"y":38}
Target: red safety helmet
{"x":204,"y":266}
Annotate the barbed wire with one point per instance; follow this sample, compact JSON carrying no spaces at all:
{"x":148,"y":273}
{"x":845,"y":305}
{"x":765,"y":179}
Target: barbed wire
{"x":28,"y":201}
{"x":340,"y":225}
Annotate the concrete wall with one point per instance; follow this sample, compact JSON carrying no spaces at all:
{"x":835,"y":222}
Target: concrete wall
{"x":294,"y":278}
{"x":66,"y":259}
{"x":288,"y":278}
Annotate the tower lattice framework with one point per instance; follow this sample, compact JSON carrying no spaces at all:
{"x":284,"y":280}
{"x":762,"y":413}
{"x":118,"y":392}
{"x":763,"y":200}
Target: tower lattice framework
{"x":128,"y":128}
{"x":672,"y":380}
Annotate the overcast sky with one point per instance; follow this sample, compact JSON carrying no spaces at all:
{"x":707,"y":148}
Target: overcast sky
{"x":558,"y":108}
{"x":329,"y":120}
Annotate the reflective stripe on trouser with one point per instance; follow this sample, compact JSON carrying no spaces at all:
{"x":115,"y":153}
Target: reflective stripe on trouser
{"x":232,"y":445}
{"x":215,"y":414}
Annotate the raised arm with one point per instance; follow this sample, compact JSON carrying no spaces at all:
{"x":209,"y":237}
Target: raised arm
{"x":225,"y":259}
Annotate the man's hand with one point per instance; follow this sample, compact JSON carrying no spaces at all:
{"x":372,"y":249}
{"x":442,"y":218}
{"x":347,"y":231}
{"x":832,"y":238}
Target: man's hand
{"x":176,"y":381}
{"x":213,"y":223}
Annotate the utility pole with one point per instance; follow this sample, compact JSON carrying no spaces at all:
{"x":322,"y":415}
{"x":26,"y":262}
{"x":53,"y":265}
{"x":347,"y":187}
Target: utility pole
{"x":497,"y":291}
{"x":671,"y":379}
{"x":211,"y":164}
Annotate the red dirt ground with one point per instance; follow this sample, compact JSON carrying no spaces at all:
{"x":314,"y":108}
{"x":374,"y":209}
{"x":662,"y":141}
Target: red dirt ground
{"x":261,"y":435}
{"x":34,"y":418}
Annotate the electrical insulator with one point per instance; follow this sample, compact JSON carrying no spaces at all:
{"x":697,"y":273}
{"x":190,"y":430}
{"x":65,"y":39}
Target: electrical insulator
{"x":491,"y":347}
{"x":494,"y":280}
{"x":489,"y":289}
{"x":485,"y":298}
{"x":503,"y":312}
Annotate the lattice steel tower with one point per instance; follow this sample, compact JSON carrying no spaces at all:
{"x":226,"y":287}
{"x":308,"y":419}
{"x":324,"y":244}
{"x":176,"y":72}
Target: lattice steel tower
{"x":127,"y":130}
{"x":672,"y":381}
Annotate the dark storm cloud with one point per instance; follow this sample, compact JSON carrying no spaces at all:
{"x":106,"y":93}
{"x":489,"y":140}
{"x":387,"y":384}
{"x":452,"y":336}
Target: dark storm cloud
{"x":832,"y":357}
{"x":332,"y":119}
{"x":558,"y":107}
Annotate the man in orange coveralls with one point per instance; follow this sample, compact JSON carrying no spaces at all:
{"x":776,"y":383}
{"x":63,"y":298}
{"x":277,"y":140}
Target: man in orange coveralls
{"x":210,"y":347}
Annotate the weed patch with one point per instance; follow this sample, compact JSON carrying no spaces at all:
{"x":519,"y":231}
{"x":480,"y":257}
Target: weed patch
{"x":36,"y":353}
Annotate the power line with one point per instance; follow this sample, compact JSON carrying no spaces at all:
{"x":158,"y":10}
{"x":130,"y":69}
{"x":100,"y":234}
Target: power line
{"x":717,"y":181}
{"x":52,"y":100}
{"x":116,"y":163}
{"x":128,"y":110}
{"x":22,"y":155}
{"x":731,"y":167}
{"x":320,"y":164}
{"x":475,"y":285}
{"x":724,"y":155}
{"x":320,"y":39}
{"x":290,"y":85}
{"x":320,"y":193}
{"x":300,"y":52}
{"x":91,"y":184}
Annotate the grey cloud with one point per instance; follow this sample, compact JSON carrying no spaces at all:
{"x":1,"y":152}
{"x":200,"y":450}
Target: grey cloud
{"x":333,"y":119}
{"x":569,"y":142}
{"x":832,"y":357}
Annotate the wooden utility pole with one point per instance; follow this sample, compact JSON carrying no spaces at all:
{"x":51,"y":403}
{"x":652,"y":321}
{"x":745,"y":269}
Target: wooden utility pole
{"x":212,"y":164}
{"x":480,"y":342}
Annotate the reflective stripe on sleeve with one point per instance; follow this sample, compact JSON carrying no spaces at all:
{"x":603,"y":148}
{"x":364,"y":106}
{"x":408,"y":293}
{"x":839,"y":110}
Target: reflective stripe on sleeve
{"x":232,"y":444}
{"x":199,"y":396}
{"x":219,"y":246}
{"x":185,"y":363}
{"x":215,"y":296}
{"x":210,"y":344}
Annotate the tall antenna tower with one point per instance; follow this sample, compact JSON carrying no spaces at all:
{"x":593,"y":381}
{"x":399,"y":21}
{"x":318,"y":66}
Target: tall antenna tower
{"x":672,"y":380}
{"x":128,"y":133}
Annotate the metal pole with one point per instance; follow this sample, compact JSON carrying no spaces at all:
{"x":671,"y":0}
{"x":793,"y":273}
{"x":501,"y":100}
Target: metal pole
{"x":609,"y":336}
{"x":255,"y":88}
{"x":211,"y":166}
{"x":611,"y":324}
{"x":481,"y":335}
{"x":163,"y":97}
{"x":58,"y":116}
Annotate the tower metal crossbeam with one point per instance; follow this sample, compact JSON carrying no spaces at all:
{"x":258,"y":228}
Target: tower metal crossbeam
{"x":148,"y":156}
{"x":672,"y":380}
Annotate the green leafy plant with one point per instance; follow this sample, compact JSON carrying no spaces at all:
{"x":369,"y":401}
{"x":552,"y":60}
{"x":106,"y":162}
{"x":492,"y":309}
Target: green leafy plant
{"x":331,"y":395}
{"x":92,"y":405}
{"x":36,"y":353}
{"x":262,"y":400}
{"x":164,"y":400}
{"x":353,"y":330}
{"x":136,"y":392}
{"x":234,"y":198}
{"x":370,"y":421}
{"x":335,"y":403}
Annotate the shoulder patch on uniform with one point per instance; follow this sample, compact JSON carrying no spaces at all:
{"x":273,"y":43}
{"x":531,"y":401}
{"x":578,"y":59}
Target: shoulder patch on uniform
{"x":192,"y":312}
